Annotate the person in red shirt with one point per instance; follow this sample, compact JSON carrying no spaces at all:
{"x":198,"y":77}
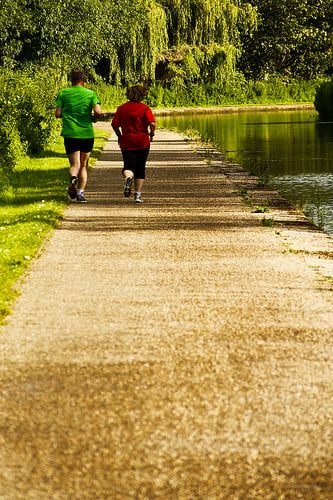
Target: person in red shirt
{"x":135,"y":126}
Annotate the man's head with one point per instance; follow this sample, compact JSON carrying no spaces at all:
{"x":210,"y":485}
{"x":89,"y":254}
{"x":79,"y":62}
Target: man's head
{"x":77,"y":76}
{"x":136,"y":93}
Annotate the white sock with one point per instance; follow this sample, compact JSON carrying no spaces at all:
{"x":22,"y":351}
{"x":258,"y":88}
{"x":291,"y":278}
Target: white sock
{"x":81,"y":191}
{"x":138,"y":193}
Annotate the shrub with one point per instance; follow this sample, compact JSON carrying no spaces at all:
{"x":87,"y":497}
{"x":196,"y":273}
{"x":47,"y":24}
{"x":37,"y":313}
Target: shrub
{"x":27,"y":103}
{"x":324,"y":100}
{"x":36,"y":121}
{"x":111,"y":96}
{"x":236,"y":91}
{"x":11,"y":146}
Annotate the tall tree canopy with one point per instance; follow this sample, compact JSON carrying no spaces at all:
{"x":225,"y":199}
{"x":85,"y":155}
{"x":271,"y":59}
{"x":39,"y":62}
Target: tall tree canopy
{"x":181,"y":41}
{"x":63,"y":33}
{"x":125,"y":39}
{"x":294,"y":38}
{"x":204,"y":38}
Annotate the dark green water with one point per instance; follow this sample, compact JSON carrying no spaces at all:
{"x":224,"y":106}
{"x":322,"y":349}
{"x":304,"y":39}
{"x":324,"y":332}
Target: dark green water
{"x":294,"y":149}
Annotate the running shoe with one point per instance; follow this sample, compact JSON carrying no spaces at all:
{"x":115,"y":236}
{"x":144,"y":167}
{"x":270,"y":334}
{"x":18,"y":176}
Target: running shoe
{"x":72,"y":191}
{"x":128,"y":186}
{"x":137,"y":198}
{"x":81,"y":199}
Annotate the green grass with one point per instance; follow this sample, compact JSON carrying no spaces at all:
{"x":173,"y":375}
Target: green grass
{"x":29,"y":209}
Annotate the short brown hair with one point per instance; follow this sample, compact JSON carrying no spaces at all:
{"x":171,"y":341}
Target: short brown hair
{"x":77,"y":76}
{"x":136,"y":93}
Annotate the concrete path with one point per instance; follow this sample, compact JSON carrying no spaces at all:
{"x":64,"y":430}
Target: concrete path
{"x":177,"y":349}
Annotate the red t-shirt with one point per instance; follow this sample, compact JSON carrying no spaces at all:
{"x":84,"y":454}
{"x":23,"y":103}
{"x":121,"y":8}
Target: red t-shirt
{"x":133,"y":118}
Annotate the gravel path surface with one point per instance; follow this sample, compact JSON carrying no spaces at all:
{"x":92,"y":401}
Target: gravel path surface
{"x":177,"y":349}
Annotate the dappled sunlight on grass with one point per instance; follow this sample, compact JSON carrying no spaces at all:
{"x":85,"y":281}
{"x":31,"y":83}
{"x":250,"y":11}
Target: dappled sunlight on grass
{"x":30,"y":186}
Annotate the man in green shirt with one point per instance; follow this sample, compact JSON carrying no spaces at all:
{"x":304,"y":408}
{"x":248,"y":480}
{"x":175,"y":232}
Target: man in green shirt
{"x":75,"y":106}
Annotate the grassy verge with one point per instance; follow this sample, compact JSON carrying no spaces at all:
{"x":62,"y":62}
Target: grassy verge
{"x":29,"y":208}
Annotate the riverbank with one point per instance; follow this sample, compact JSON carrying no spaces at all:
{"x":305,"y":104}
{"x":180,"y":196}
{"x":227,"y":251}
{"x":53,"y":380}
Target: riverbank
{"x":107,"y":115}
{"x":178,"y":349}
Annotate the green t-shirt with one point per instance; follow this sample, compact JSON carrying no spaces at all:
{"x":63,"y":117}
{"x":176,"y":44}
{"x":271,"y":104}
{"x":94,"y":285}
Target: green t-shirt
{"x":77,"y":103}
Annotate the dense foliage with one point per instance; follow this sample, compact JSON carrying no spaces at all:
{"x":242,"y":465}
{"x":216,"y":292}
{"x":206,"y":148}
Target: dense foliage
{"x":62,"y":33}
{"x":204,"y":39}
{"x":293,"y":38}
{"x":236,"y":93}
{"x":27,"y":122}
{"x":180,"y":41}
{"x":324,"y":100}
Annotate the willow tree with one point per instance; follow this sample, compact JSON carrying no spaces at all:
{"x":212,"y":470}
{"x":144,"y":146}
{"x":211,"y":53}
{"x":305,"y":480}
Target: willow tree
{"x":179,"y":40}
{"x":61,"y":34}
{"x":204,"y":38}
{"x":127,"y":40}
{"x":136,"y":44}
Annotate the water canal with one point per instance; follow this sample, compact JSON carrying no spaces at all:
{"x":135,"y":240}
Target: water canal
{"x":292,"y":149}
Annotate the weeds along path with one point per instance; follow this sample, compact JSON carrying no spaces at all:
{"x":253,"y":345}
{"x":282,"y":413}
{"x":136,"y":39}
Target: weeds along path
{"x":178,"y":349}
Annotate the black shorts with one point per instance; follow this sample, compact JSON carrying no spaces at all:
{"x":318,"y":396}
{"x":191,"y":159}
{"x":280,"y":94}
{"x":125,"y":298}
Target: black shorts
{"x":136,"y":162}
{"x":82,"y":145}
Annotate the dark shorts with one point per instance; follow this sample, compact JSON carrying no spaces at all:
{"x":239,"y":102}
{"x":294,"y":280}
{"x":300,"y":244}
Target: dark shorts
{"x":136,"y":162}
{"x":82,"y":145}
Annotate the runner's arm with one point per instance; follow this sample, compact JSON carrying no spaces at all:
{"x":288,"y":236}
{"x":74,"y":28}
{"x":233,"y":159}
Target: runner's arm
{"x":117,"y":132}
{"x":58,"y":112}
{"x":152,"y":127}
{"x":97,"y":112}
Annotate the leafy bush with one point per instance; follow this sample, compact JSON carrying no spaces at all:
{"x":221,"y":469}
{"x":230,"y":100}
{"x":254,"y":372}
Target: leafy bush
{"x":11,"y":147}
{"x":324,"y":100}
{"x":111,"y":96}
{"x":36,"y":121}
{"x":28,"y":123}
{"x":235,"y":92}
